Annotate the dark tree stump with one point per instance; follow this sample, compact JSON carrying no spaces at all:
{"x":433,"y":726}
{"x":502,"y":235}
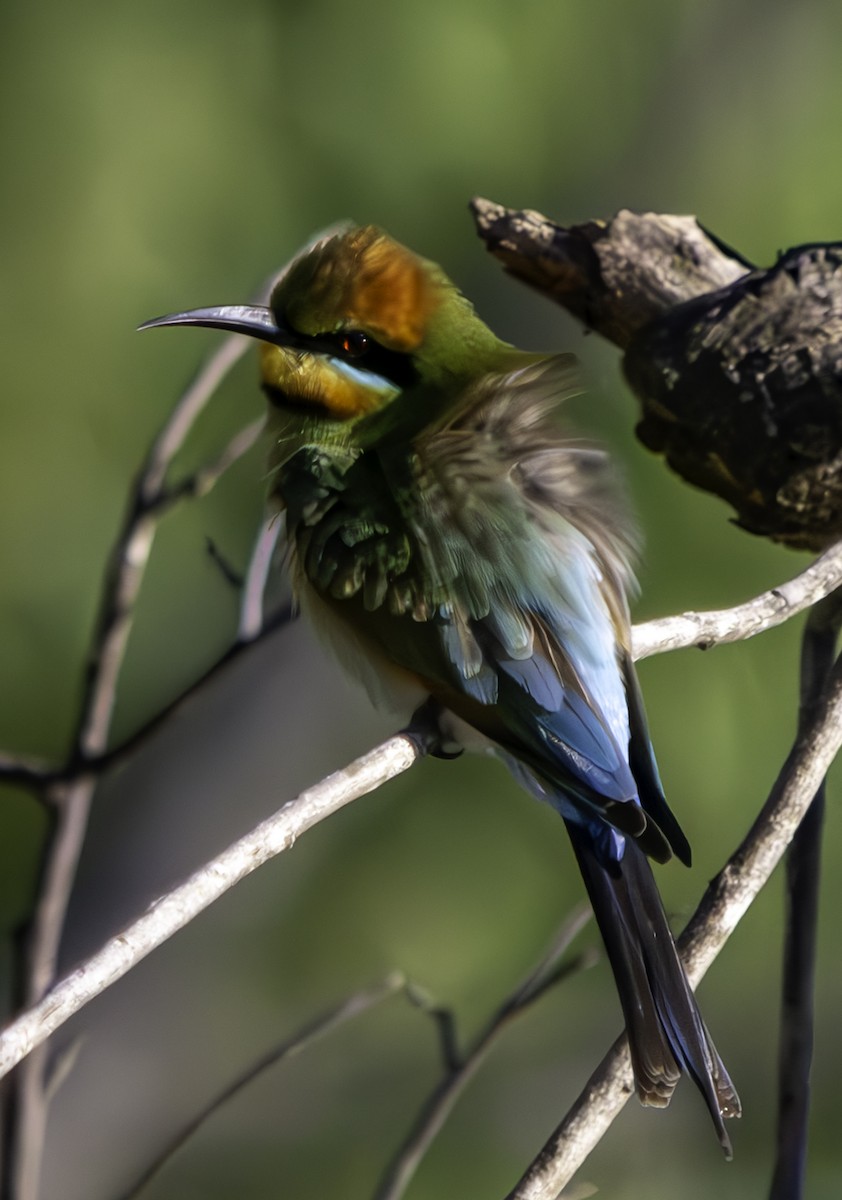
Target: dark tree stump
{"x":738,"y":370}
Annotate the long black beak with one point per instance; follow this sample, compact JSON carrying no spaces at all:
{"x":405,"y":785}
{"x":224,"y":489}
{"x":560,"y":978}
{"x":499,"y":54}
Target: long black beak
{"x":251,"y":319}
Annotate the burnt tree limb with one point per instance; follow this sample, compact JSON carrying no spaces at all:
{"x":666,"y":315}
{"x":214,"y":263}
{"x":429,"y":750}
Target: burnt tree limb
{"x":738,"y":370}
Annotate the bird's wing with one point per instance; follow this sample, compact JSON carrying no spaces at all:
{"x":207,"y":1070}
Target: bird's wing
{"x":499,"y":579}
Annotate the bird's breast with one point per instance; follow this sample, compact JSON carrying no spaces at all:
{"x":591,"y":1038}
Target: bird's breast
{"x":390,"y":688}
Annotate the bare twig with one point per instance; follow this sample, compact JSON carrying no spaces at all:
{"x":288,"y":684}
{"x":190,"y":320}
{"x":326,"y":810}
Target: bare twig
{"x":723,"y":905}
{"x":251,"y":605}
{"x":205,"y":478}
{"x":707,"y":629}
{"x":25,"y":1099}
{"x":102,"y":970}
{"x":702,"y":629}
{"x":313,"y":1031}
{"x":803,"y":875}
{"x":30,"y":773}
{"x":795,"y":1048}
{"x":174,"y":911}
{"x":39,"y":776}
{"x":134,"y":542}
{"x":68,"y":792}
{"x":141,"y":736}
{"x":459,"y":1072}
{"x":179,"y":907}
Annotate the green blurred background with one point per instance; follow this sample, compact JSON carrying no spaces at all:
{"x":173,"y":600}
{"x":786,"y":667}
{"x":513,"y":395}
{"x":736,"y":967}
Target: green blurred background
{"x":164,"y":155}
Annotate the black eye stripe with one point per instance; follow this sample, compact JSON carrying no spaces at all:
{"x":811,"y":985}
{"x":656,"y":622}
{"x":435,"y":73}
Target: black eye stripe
{"x":360,"y":349}
{"x":398,"y":368}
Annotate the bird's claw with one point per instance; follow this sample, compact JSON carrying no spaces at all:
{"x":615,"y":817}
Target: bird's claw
{"x":425,"y":731}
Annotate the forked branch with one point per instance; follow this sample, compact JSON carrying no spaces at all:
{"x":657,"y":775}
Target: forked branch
{"x":724,"y":903}
{"x":394,"y":756}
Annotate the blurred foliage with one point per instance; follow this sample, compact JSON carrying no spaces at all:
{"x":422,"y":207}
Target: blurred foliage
{"x":165,"y":155}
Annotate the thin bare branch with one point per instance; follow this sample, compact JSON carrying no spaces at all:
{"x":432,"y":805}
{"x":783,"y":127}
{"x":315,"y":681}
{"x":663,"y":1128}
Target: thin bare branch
{"x":141,"y":736}
{"x":251,"y":606}
{"x":133,"y":546}
{"x":803,"y":885}
{"x":723,"y":905}
{"x":701,"y":629}
{"x":779,"y":604}
{"x":313,"y":1031}
{"x":546,"y":975}
{"x":26,"y":772}
{"x":707,"y":629}
{"x":40,"y":778}
{"x":795,"y":1038}
{"x":189,"y":408}
{"x":438,"y":1105}
{"x":202,"y":481}
{"x":180,"y":906}
{"x":26,"y":1098}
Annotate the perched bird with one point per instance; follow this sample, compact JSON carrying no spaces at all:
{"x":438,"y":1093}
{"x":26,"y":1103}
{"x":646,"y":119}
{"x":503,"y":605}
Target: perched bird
{"x":453,"y":545}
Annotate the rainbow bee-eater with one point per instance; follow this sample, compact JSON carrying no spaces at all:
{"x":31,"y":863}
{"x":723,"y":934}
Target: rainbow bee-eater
{"x":458,"y":549}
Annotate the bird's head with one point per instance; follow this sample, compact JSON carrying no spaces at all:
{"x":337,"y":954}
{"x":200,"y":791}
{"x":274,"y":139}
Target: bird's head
{"x":355,"y":322}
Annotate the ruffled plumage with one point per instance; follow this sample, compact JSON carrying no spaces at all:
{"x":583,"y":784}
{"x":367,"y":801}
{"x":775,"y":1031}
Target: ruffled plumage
{"x":488,"y":559}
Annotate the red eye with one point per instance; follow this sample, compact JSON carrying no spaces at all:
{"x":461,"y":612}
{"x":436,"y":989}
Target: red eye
{"x":354,"y":343}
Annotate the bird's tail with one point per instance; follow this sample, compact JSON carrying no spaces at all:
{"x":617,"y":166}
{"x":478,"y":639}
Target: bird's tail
{"x":665,"y":1028}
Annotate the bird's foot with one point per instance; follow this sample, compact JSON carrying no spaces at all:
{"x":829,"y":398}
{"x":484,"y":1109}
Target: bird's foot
{"x":424,"y":730}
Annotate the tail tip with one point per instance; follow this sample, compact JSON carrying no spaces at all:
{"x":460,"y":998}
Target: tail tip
{"x":729,"y":1109}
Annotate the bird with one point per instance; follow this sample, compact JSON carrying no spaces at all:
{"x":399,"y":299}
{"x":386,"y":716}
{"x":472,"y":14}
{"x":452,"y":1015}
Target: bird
{"x":465,"y":555}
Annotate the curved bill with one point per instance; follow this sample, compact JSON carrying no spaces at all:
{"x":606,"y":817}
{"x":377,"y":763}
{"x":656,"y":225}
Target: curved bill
{"x":251,"y":319}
